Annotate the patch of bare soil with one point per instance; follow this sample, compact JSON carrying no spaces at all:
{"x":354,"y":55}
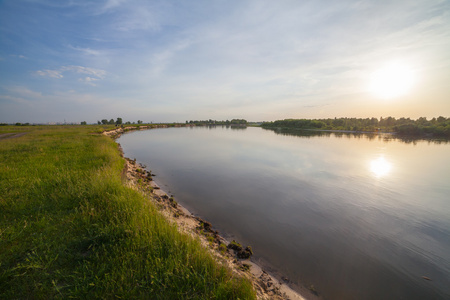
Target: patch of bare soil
{"x":5,"y":136}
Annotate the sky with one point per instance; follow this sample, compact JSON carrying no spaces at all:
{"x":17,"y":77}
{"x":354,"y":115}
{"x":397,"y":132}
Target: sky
{"x":172,"y":61}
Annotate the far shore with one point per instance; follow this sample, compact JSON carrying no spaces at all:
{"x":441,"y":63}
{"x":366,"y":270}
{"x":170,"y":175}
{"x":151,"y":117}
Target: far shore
{"x":351,"y":131}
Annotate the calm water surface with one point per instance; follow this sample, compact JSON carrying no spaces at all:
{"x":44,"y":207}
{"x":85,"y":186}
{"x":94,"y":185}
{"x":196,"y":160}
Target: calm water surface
{"x":357,"y":217}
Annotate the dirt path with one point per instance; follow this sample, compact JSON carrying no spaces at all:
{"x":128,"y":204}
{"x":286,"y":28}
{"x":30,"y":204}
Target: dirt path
{"x":11,"y":135}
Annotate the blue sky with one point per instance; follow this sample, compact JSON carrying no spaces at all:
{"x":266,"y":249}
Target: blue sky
{"x":165,"y":61}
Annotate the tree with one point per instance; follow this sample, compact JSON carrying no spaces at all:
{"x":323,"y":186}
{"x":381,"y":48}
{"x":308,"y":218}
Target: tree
{"x":83,"y":123}
{"x":119,"y":121}
{"x":441,"y":119}
{"x":139,"y":122}
{"x":111,"y":121}
{"x":104,"y":121}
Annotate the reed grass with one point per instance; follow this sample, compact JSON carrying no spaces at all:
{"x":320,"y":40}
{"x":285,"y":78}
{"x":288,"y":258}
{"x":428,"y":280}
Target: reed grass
{"x":70,"y":228}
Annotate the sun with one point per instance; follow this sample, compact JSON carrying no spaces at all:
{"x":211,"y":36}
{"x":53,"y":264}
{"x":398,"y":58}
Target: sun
{"x":392,"y":80}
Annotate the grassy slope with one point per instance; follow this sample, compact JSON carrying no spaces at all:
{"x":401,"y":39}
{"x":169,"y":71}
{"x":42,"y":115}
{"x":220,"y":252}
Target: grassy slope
{"x":70,"y":228}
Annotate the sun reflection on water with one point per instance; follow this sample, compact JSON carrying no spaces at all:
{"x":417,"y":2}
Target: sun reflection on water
{"x":380,"y":167}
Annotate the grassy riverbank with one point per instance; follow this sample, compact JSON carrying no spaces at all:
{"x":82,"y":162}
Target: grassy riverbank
{"x":70,"y":228}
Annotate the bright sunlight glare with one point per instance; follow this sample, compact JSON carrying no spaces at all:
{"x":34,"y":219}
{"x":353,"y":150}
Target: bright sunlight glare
{"x":380,"y":167}
{"x":391,"y":81}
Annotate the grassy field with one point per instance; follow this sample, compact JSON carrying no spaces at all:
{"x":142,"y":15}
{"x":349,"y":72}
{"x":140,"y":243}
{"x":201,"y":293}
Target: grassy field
{"x":69,"y":228}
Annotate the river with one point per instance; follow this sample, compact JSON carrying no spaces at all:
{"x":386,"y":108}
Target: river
{"x":354,"y":216}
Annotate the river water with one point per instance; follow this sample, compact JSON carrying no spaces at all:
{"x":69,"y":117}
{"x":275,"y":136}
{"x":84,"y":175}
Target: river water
{"x":354,"y":216}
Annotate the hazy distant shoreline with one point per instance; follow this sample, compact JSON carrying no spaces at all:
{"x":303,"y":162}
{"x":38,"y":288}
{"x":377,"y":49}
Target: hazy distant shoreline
{"x":403,"y":127}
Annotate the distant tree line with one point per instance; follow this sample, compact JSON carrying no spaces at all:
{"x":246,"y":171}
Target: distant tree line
{"x":110,"y":122}
{"x":117,"y":122}
{"x":215,"y":122}
{"x":439,"y":127}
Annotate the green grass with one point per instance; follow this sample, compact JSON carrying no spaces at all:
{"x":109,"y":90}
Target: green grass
{"x":69,"y":228}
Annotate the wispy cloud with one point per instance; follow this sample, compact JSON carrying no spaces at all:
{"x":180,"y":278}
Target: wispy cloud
{"x":13,"y":99}
{"x":20,"y":95}
{"x":100,"y":74}
{"x":132,"y":15}
{"x":109,"y":4}
{"x":87,"y":51}
{"x":89,"y":80}
{"x":140,"y":19}
{"x":50,"y":73}
{"x":95,"y":74}
{"x":19,"y":56}
{"x":30,"y":105}
{"x":160,"y":60}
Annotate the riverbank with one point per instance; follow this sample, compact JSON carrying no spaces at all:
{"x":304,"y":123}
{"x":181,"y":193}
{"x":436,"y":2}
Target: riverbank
{"x":267,"y":285}
{"x":71,"y":227}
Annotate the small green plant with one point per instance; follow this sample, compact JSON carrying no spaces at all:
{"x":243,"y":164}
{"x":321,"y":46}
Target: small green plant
{"x":313,"y":290}
{"x":210,"y":240}
{"x":223,"y":248}
{"x":240,"y":252}
{"x":149,"y":176}
{"x":235,"y":245}
{"x":246,"y":253}
{"x":245,"y":267}
{"x":173,"y":203}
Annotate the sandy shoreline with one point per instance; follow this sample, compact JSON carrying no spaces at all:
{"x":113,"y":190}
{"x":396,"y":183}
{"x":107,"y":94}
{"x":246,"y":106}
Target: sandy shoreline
{"x":266,"y":285}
